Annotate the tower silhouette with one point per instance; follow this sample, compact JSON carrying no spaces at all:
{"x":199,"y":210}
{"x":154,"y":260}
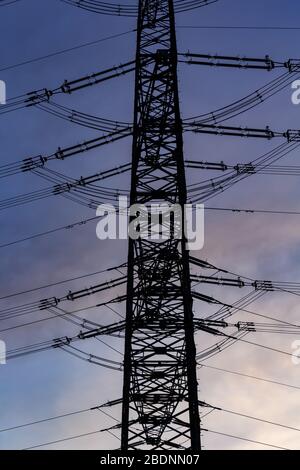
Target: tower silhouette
{"x":160,"y":402}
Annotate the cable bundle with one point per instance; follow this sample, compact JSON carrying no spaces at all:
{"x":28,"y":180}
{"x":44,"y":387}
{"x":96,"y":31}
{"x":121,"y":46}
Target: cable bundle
{"x":131,"y":10}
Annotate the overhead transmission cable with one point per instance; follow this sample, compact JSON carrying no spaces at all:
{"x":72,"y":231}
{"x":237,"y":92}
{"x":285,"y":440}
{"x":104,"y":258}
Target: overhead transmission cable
{"x":249,"y":376}
{"x":99,"y":408}
{"x":64,"y":51}
{"x":131,"y":10}
{"x":4,"y":3}
{"x":255,"y":28}
{"x":43,"y":95}
{"x":252,"y":441}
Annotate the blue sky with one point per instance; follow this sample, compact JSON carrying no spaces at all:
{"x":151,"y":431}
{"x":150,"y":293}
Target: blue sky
{"x":258,"y":246}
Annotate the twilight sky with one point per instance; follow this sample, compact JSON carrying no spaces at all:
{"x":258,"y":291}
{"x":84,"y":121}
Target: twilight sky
{"x":261,"y":246}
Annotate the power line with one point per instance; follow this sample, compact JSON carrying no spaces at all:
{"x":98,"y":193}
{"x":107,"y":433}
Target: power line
{"x":71,"y":438}
{"x":115,"y":36}
{"x":38,"y":97}
{"x":208,"y":189}
{"x":53,"y":302}
{"x":244,"y":439}
{"x":231,"y":340}
{"x":98,"y":408}
{"x":106,"y":430}
{"x":247,"y":376}
{"x":131,"y":10}
{"x":248,"y":102}
{"x":254,"y":418}
{"x":63,"y":344}
{"x":50,"y":232}
{"x":53,"y":418}
{"x":84,"y":222}
{"x":240,"y":305}
{"x":64,"y":316}
{"x":45,"y":420}
{"x":64,"y":51}
{"x":155,"y":274}
{"x":69,"y":316}
{"x":274,"y":28}
{"x":80,"y":189}
{"x":5,"y":3}
{"x":272,"y":423}
{"x":251,"y":211}
{"x":112,"y":131}
{"x":65,"y":281}
{"x":26,"y":309}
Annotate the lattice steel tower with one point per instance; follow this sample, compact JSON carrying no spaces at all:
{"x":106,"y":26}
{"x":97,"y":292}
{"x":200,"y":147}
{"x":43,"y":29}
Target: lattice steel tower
{"x":160,"y":400}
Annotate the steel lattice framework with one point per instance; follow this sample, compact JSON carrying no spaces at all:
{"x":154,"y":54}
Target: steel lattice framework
{"x":160,"y":400}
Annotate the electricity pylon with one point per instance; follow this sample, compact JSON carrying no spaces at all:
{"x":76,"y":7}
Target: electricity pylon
{"x":160,"y":399}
